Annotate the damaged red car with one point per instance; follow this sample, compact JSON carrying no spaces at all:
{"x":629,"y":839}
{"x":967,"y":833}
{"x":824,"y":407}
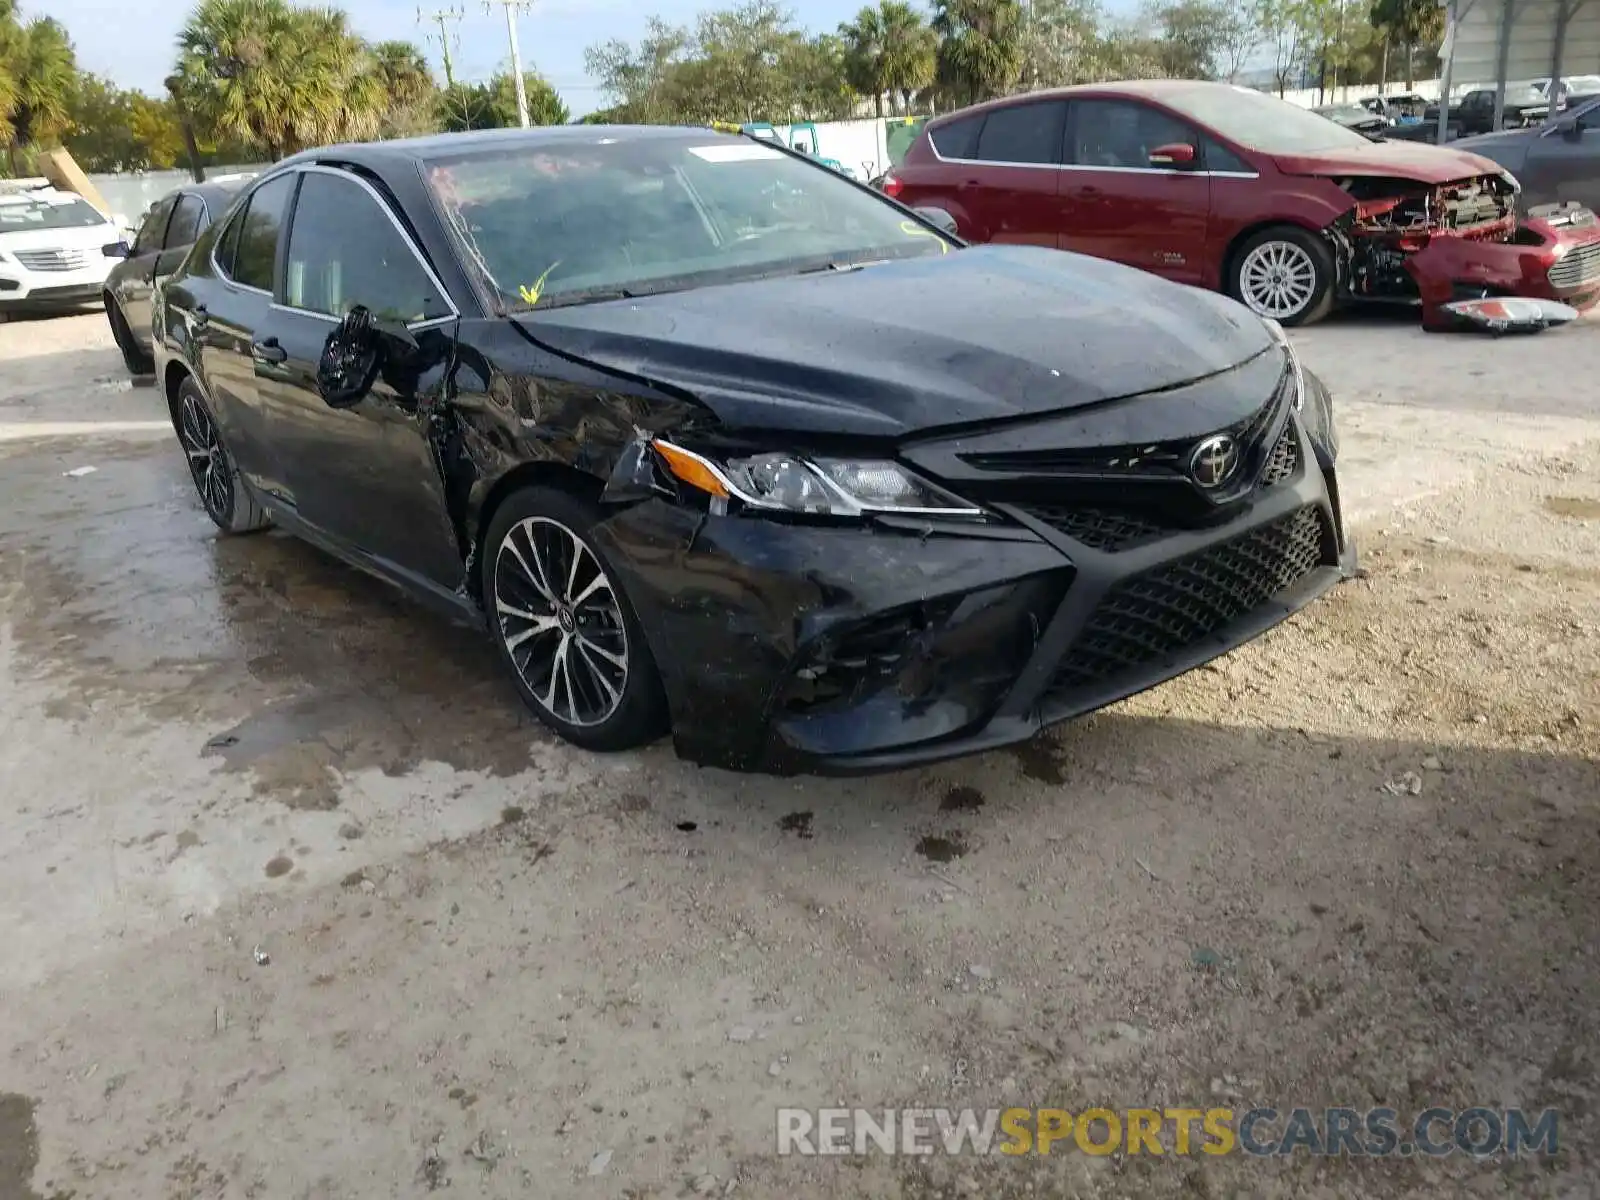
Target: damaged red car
{"x":1226,"y":188}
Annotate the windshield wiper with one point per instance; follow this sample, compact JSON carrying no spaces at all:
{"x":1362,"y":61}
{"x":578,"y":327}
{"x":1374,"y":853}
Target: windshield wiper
{"x":841,"y":266}
{"x":585,"y":296}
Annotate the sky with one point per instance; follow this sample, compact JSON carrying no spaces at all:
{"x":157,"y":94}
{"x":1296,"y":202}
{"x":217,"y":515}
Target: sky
{"x":133,"y":44}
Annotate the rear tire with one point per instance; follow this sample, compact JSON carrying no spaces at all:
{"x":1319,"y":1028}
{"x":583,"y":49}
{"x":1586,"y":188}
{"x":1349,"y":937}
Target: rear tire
{"x":563,"y":626}
{"x":1285,"y":273}
{"x":137,"y":361}
{"x":227,"y":500}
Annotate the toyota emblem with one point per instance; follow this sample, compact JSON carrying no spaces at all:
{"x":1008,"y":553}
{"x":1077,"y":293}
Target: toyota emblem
{"x":1213,"y":461}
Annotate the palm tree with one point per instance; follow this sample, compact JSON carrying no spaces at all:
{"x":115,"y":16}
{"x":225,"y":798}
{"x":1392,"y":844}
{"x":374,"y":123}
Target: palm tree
{"x":38,"y":78}
{"x":980,"y":48}
{"x":889,"y":49}
{"x":280,"y":77}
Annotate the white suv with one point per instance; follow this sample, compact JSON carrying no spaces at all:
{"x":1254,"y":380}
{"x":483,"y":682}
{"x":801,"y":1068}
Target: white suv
{"x":55,"y":248}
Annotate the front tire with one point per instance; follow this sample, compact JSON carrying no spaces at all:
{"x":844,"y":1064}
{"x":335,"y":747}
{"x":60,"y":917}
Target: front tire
{"x":1284,"y":273}
{"x":228,"y":502}
{"x":137,"y":361}
{"x":563,"y":626}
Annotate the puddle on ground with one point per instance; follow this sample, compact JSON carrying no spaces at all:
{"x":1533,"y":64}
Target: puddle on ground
{"x":309,"y":669}
{"x":19,"y":1147}
{"x":961,"y":798}
{"x":797,"y":823}
{"x":942,"y":847}
{"x":1579,"y":508}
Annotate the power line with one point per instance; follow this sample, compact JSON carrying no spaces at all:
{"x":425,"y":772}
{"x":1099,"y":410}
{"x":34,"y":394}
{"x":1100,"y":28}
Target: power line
{"x":513,"y":7}
{"x":443,"y":18}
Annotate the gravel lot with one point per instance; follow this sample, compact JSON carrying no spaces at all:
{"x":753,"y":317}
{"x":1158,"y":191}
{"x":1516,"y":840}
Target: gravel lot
{"x":496,"y":966}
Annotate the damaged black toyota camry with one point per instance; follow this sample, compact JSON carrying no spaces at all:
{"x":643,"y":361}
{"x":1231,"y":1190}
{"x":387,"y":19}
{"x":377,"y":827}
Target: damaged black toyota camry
{"x":717,"y":441}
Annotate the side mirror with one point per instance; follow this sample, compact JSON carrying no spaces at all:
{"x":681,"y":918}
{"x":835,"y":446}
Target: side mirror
{"x":1570,"y":129}
{"x":1177,"y":154}
{"x":119,"y":249}
{"x":350,"y":360}
{"x":939,"y":218}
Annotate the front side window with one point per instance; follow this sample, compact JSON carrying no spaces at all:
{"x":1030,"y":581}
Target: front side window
{"x":572,"y":221}
{"x":154,"y":226}
{"x":1023,"y":133}
{"x":344,"y":251}
{"x":256,"y":243}
{"x":185,"y":224}
{"x":1123,"y":134}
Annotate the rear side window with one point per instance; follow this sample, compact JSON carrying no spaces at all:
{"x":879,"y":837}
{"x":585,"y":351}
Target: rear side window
{"x":257,"y":238}
{"x":1023,"y":133}
{"x":958,"y":138}
{"x":185,"y":223}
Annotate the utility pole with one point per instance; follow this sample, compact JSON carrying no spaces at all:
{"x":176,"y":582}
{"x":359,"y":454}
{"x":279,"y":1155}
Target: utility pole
{"x":443,"y":18}
{"x":513,"y":7}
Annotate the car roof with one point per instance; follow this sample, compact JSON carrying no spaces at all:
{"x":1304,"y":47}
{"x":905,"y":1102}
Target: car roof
{"x":1169,"y":91}
{"x":378,"y":155}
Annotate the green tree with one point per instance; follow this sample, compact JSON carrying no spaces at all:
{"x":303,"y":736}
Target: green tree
{"x":1410,"y":24}
{"x":279,"y":77}
{"x":1287,"y":29}
{"x":40,"y":78}
{"x":980,"y":50}
{"x":493,"y":105}
{"x":640,"y":79}
{"x":413,"y":98}
{"x":891,"y":49}
{"x":1062,"y":44}
{"x":1192,"y":34}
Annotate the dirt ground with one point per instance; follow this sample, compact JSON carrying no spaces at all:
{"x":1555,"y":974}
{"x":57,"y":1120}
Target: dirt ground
{"x":295,"y":902}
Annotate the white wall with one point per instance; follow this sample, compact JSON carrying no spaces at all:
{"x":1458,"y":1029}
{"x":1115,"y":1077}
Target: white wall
{"x":859,"y":145}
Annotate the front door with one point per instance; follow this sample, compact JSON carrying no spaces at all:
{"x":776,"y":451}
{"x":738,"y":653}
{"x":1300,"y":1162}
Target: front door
{"x":365,"y":476}
{"x":1117,"y":206}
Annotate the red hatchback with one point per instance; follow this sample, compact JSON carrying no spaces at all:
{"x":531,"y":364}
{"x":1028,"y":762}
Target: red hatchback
{"x":1215,"y":185}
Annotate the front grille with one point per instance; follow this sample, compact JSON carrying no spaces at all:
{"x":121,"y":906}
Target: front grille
{"x":1095,"y":527}
{"x":1578,"y":267}
{"x":1163,"y":611}
{"x":1284,"y":461}
{"x":53,"y":260}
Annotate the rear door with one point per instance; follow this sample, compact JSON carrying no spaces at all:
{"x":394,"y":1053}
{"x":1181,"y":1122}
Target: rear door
{"x":1011,"y":191}
{"x":1561,"y":166}
{"x":366,"y":476}
{"x":1117,"y":206}
{"x":226,"y":313}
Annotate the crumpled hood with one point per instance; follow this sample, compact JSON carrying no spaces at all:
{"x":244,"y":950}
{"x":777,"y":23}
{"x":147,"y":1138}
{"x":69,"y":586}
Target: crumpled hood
{"x":904,"y":347}
{"x":1403,"y":160}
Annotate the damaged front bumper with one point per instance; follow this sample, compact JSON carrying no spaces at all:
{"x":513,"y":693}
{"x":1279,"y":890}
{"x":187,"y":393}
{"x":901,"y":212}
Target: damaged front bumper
{"x":1553,"y":255}
{"x":788,"y":647}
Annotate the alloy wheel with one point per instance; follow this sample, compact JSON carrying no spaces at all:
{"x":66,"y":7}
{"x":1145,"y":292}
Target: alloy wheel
{"x":560,"y":621}
{"x":1278,"y":280}
{"x":208,"y":461}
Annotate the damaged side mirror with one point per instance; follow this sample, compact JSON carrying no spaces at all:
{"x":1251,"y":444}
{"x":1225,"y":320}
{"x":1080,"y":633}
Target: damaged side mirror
{"x":355,"y":352}
{"x":1175,"y":154}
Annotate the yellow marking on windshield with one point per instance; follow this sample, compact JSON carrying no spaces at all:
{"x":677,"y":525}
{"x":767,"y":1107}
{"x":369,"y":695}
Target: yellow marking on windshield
{"x":530,"y":295}
{"x":916,"y":230}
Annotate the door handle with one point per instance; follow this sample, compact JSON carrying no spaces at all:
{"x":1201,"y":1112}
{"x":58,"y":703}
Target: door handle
{"x":268,"y":350}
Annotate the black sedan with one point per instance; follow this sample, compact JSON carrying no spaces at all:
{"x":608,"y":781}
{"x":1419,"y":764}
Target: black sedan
{"x":165,"y":235}
{"x":714,"y":439}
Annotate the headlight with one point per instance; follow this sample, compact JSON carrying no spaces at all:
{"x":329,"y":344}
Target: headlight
{"x":834,"y":487}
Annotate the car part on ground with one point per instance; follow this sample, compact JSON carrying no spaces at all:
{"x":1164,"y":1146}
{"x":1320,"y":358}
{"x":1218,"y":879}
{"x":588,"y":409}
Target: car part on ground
{"x":1219,"y":187}
{"x":876,"y":499}
{"x":1509,"y":315}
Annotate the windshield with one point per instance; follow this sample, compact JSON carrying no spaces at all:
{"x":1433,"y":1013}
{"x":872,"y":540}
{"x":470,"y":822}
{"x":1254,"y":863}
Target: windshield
{"x":18,"y":213}
{"x":1345,"y":113}
{"x":1265,"y":123}
{"x":566,"y":222}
